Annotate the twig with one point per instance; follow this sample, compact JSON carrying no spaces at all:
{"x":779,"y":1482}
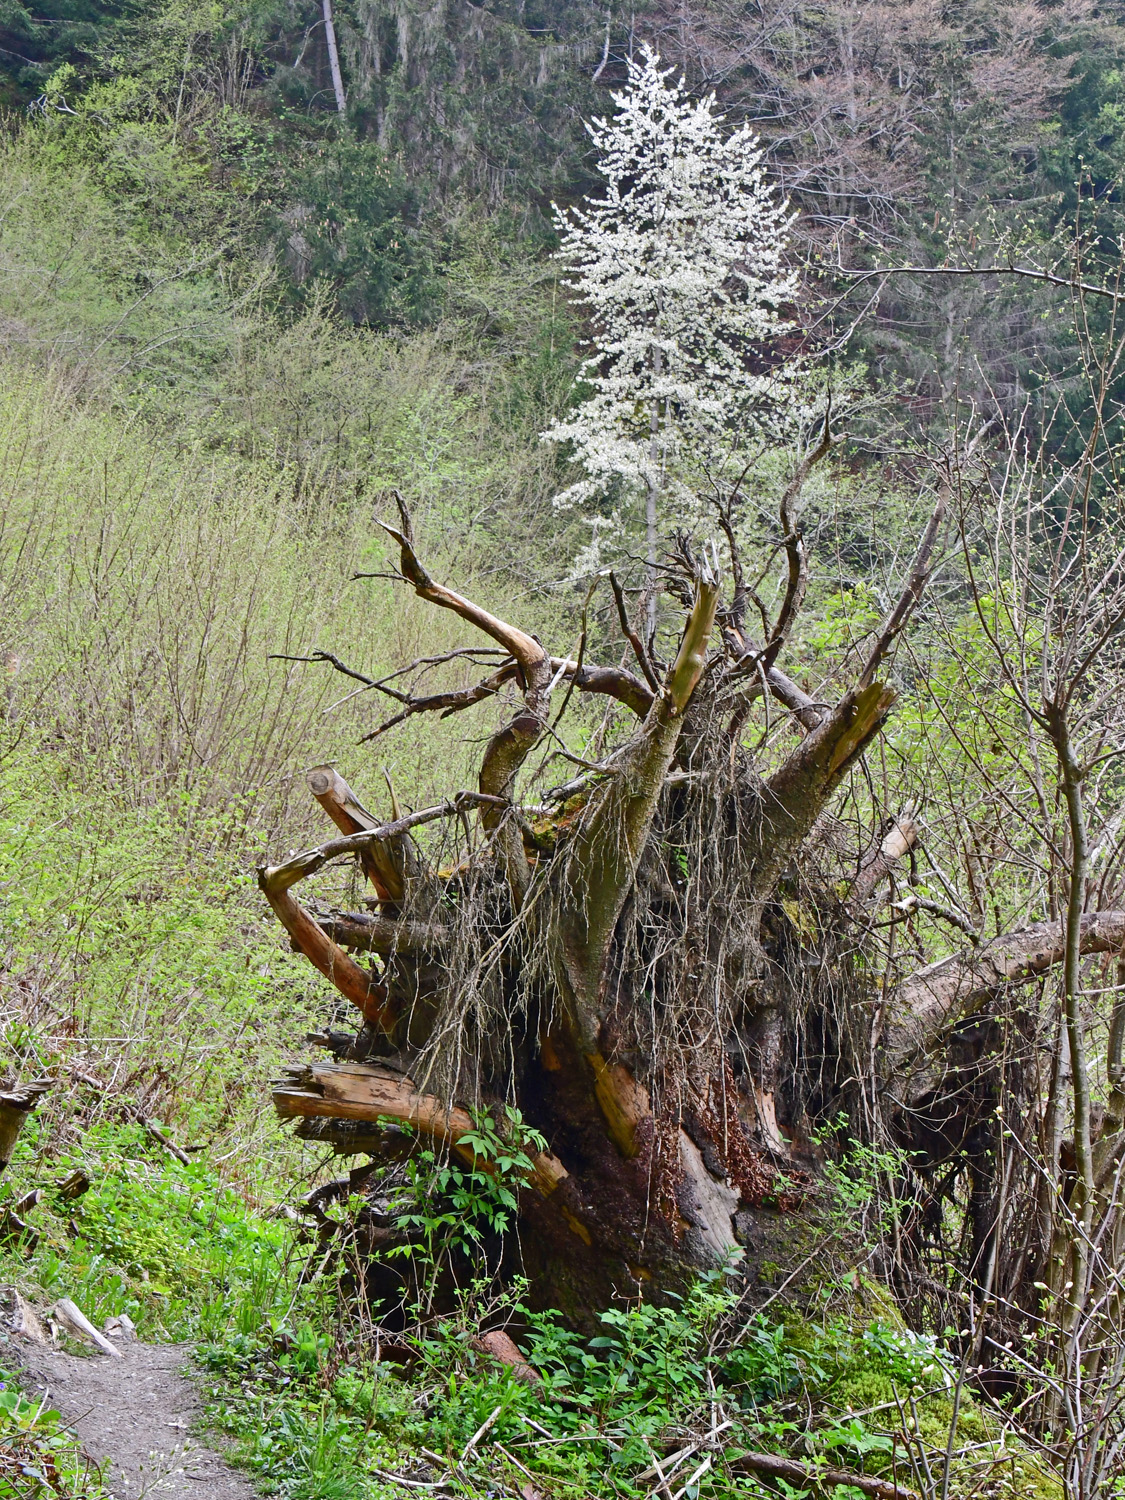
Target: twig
{"x":480,"y":1432}
{"x":797,"y":1473}
{"x":697,"y":1474}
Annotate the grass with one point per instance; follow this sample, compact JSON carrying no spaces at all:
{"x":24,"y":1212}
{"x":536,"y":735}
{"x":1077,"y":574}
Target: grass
{"x":39,"y":1458}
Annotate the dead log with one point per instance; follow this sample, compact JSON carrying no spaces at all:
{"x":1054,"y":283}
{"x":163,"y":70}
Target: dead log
{"x":357,"y":1091}
{"x":932,"y":1001}
{"x":789,"y":1469}
{"x":75,"y":1321}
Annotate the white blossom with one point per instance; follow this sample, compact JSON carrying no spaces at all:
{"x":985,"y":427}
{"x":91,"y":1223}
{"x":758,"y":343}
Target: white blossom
{"x":681,"y":266}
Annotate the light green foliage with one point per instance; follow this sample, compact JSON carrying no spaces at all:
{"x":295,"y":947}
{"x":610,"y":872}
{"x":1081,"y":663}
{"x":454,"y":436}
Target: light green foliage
{"x":175,"y":1247}
{"x":39,"y":1459}
{"x":452,"y":1206}
{"x":154,"y":751}
{"x":861,"y":1179}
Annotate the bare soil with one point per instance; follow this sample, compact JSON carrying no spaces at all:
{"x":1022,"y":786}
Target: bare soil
{"x":136,"y":1412}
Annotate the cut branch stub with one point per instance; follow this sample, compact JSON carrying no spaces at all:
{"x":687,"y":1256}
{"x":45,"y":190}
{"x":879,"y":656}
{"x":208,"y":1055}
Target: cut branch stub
{"x":387,"y":863}
{"x":15,"y":1107}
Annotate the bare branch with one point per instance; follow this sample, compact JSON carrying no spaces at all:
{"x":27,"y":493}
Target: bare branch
{"x":808,"y":713}
{"x":355,"y":984}
{"x":525,"y":648}
{"x":448,"y":703}
{"x":935,"y":998}
{"x":798,"y":580}
{"x":367,"y":932}
{"x":631,"y":635}
{"x":610,"y":682}
{"x":915,"y":587}
{"x":1026,"y":273}
{"x":309,"y":861}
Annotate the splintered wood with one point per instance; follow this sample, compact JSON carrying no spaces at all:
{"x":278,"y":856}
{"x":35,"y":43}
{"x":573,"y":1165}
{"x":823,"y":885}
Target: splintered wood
{"x":358,"y":1091}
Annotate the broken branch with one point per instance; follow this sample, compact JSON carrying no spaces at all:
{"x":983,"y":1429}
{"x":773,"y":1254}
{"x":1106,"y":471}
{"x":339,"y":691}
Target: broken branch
{"x":357,"y":1091}
{"x":938,"y":996}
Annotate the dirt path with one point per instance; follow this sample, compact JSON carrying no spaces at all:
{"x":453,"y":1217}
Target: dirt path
{"x":137,"y":1412}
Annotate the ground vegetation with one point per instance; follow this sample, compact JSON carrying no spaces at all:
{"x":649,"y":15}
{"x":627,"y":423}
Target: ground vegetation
{"x":736,"y":1105}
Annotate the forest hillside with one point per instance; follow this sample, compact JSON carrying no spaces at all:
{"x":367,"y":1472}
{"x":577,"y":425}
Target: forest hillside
{"x":563,"y":606}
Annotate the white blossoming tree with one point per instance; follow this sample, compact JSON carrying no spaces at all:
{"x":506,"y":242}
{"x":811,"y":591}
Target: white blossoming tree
{"x":682,"y":268}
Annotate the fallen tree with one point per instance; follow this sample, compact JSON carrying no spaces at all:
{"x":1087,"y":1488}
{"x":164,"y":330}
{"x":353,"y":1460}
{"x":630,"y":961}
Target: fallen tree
{"x":619,"y":961}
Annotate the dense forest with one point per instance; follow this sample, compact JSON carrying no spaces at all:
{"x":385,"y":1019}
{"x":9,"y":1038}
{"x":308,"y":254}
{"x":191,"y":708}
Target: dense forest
{"x":561,"y":918}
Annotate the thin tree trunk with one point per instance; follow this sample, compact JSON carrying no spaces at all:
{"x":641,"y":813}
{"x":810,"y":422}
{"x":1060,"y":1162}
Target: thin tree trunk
{"x":334,"y":59}
{"x":1079,"y":1229}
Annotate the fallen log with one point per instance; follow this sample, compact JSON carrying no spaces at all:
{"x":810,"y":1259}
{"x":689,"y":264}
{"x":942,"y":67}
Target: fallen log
{"x":789,"y":1469}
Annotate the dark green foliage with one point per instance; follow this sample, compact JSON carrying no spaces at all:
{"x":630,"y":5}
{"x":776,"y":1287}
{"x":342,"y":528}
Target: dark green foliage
{"x":354,"y":222}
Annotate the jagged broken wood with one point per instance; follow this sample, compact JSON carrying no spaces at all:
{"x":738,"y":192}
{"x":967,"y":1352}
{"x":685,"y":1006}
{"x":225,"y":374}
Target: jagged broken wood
{"x":15,"y":1107}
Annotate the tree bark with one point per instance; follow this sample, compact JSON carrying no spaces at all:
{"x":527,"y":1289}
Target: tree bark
{"x":334,"y":59}
{"x":15,"y":1107}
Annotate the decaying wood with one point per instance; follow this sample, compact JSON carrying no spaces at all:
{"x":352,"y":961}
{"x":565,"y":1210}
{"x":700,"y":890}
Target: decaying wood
{"x":933,"y":1000}
{"x":73,"y":1185}
{"x":826,"y":1478}
{"x":13,"y":1227}
{"x":75,"y":1321}
{"x":15,"y":1107}
{"x":22,"y":1317}
{"x":356,"y":1091}
{"x":502,"y":1348}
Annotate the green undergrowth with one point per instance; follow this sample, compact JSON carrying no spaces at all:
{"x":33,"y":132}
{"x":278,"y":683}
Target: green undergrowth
{"x":315,"y":1418}
{"x":39,"y":1458}
{"x":323,"y":1405}
{"x":184,"y":1253}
